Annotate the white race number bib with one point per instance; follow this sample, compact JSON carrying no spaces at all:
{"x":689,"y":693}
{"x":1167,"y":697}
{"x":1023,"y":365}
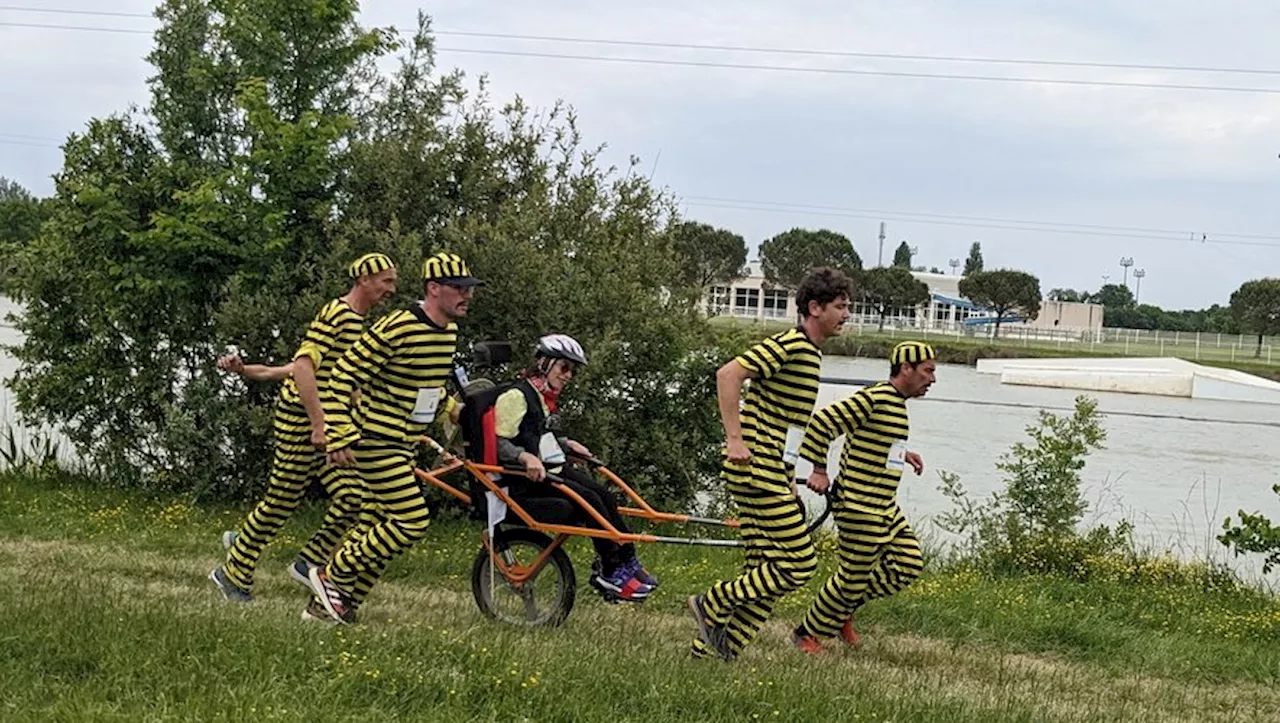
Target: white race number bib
{"x":424,"y":411}
{"x":897,"y":456}
{"x":549,"y":450}
{"x":791,"y":450}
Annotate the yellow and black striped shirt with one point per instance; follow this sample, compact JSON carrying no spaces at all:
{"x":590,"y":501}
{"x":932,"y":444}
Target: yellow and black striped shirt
{"x":784,"y":391}
{"x":874,"y":420}
{"x":402,"y":361}
{"x":330,"y":334}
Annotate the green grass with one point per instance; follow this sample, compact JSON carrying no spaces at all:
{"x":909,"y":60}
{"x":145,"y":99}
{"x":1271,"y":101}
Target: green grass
{"x":107,"y":616}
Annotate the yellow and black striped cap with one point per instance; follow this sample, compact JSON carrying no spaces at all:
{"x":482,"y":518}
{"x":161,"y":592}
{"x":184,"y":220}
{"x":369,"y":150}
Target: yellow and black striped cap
{"x":911,"y":352}
{"x":448,"y":268}
{"x":369,"y":264}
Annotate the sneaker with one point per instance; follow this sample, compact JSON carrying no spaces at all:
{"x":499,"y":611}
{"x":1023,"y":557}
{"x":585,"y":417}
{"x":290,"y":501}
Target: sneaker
{"x":228,"y":538}
{"x":335,"y":601}
{"x":849,"y":635}
{"x":641,"y":574}
{"x":315,"y":612}
{"x":806,"y":643}
{"x":300,"y":570}
{"x":229,"y":589}
{"x":622,"y":584}
{"x":713,"y":635}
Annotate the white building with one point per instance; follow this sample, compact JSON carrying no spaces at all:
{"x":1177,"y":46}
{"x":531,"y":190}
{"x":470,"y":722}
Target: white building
{"x":751,"y":297}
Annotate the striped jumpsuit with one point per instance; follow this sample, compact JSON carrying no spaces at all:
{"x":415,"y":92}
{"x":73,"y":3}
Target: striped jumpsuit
{"x":780,"y":556}
{"x":400,"y":366}
{"x":879,"y":554}
{"x":296,"y":461}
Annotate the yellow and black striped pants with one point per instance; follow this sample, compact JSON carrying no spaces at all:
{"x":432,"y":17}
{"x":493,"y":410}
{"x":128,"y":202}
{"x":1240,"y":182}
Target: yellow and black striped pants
{"x":780,"y":556}
{"x":295,"y":463}
{"x":395,"y":517}
{"x":879,"y":555}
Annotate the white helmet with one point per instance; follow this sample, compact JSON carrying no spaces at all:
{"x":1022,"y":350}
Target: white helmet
{"x":560,"y":346}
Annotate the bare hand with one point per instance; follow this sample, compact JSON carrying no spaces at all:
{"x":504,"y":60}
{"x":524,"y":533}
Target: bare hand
{"x":819,"y":482}
{"x":317,"y":436}
{"x":737,"y":452}
{"x":916,"y":463}
{"x":577,"y":449}
{"x":231,"y":363}
{"x":344,"y":457}
{"x":533,"y":468}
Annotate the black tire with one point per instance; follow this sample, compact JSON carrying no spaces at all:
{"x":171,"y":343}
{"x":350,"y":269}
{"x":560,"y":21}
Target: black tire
{"x":523,"y":546}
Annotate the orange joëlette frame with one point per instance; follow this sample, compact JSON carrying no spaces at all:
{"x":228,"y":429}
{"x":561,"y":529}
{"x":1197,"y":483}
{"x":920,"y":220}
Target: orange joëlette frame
{"x":642,"y":509}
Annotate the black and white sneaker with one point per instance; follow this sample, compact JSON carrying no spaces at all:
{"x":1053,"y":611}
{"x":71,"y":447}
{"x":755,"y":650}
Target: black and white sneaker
{"x":229,"y":589}
{"x":335,"y":601}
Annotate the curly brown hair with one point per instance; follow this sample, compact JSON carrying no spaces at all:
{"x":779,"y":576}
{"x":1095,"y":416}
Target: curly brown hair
{"x":823,"y":285}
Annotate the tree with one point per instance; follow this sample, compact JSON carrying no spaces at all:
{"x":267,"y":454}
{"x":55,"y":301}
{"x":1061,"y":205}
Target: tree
{"x":203,"y":221}
{"x":902,"y":256}
{"x":1002,"y":291}
{"x":708,"y":255}
{"x":787,"y":257}
{"x":1114,"y":297}
{"x":892,"y":287}
{"x":1256,"y":306}
{"x":973,"y":264}
{"x":1068,"y":295}
{"x":21,"y":216}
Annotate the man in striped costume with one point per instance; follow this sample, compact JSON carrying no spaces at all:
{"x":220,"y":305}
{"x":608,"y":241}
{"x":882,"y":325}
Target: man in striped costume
{"x":762,"y":442}
{"x":400,"y":366}
{"x":879,"y":554}
{"x":298,"y":428}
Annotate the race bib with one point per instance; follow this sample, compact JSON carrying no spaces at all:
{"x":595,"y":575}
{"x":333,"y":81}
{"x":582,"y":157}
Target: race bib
{"x":897,"y":456}
{"x":791,"y":450}
{"x":424,"y":411}
{"x":549,"y":450}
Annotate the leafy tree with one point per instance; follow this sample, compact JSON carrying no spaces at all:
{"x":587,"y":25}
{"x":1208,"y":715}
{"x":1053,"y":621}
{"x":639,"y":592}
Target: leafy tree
{"x":1254,"y":533}
{"x":709,"y":255}
{"x":1114,"y":297}
{"x":973,"y":264}
{"x":1256,"y":306}
{"x":892,"y":287}
{"x":21,"y":216}
{"x":1068,"y":295}
{"x":787,"y":257}
{"x":902,"y":256}
{"x":1002,"y":291}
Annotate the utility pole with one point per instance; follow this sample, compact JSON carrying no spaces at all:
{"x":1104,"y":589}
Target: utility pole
{"x":954,"y":264}
{"x":1126,"y":262}
{"x":880,"y":258}
{"x":1137,"y":275}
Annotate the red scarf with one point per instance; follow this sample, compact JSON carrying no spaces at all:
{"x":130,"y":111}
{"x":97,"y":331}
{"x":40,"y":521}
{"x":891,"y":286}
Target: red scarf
{"x":549,"y":395}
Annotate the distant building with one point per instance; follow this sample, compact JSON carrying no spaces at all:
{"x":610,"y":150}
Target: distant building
{"x":751,"y":297}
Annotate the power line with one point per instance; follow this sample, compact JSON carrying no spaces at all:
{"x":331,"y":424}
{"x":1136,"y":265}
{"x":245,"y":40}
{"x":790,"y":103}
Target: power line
{"x":881,"y":211}
{"x":931,"y":219}
{"x":60,"y":11}
{"x":809,"y":52}
{"x":855,"y":72}
{"x":668,"y":62}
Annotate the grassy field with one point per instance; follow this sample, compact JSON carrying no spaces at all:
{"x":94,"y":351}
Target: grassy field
{"x":967,"y":350}
{"x":107,"y":615}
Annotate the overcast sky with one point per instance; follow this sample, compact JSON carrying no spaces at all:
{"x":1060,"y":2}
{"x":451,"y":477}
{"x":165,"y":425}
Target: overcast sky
{"x":866,"y":147}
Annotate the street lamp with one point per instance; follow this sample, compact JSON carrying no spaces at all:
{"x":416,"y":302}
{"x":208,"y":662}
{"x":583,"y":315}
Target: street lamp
{"x":1126,"y":262}
{"x":1138,"y":274}
{"x":954,"y":264}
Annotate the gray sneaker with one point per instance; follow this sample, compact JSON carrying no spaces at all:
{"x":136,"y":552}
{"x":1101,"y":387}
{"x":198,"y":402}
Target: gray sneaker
{"x":229,"y":590}
{"x":300,"y":571}
{"x":713,"y":635}
{"x":228,"y":539}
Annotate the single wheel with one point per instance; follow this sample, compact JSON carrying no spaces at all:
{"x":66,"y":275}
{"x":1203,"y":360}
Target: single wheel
{"x":544,"y":599}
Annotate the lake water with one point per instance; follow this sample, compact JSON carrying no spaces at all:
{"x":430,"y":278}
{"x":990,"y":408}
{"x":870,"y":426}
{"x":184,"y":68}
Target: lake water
{"x":1175,"y":467}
